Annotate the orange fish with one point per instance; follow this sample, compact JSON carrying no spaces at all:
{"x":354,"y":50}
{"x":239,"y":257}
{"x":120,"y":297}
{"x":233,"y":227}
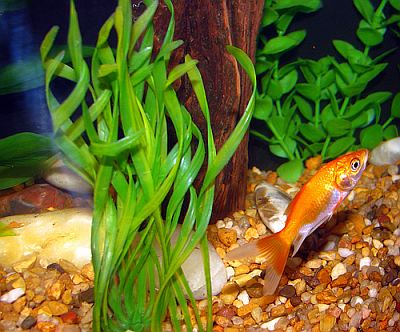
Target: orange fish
{"x":311,"y":207}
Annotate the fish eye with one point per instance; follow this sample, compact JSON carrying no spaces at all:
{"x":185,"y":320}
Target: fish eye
{"x":355,"y":164}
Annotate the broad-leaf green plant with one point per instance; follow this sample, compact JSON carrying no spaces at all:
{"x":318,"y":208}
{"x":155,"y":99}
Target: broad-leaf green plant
{"x":313,"y":107}
{"x":123,"y":129}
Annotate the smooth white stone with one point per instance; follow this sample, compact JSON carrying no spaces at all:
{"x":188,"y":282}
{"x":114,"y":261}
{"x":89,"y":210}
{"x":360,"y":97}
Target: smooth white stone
{"x":244,"y":297}
{"x":386,"y":153}
{"x":270,"y":325}
{"x":345,"y":252}
{"x":338,"y":270}
{"x":271,"y":205}
{"x":365,"y":261}
{"x":12,"y":295}
{"x":63,"y":234}
{"x":193,"y":269}
{"x":60,"y":176}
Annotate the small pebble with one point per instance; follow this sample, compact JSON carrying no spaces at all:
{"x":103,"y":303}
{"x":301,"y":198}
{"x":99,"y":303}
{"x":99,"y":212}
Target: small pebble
{"x":287,"y":291}
{"x":270,"y":325}
{"x":338,"y":270}
{"x":12,"y":295}
{"x":365,"y":261}
{"x":345,"y":252}
{"x":28,"y":323}
{"x":244,"y":297}
{"x":314,"y":263}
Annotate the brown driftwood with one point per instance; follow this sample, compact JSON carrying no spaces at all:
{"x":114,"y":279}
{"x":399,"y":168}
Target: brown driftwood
{"x":206,"y":27}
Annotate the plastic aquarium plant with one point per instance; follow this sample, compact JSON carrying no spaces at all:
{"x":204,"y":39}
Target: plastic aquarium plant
{"x":123,"y":129}
{"x":313,"y":107}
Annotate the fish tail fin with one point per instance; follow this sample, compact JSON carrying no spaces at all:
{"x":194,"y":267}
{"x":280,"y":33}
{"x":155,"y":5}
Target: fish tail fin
{"x":274,"y":249}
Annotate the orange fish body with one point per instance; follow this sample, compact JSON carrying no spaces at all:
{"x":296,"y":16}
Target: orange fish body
{"x":313,"y":205}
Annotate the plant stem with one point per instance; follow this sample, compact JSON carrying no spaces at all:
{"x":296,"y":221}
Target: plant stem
{"x":388,"y":121}
{"x":281,"y":142}
{"x":344,"y":106}
{"x":325,"y":147}
{"x":317,"y":112}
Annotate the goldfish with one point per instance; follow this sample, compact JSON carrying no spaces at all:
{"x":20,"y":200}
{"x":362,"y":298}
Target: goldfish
{"x":313,"y":205}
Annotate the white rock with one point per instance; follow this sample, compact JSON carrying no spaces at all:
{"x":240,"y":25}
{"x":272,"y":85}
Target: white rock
{"x":60,"y":176}
{"x":345,"y":252}
{"x":329,"y":246}
{"x":386,"y":153}
{"x":373,"y":292}
{"x":229,"y":224}
{"x":63,"y":234}
{"x":244,"y":297}
{"x":322,"y":307}
{"x":12,"y":295}
{"x":338,"y":270}
{"x":271,"y":205}
{"x":365,"y":261}
{"x":193,"y":269}
{"x":377,"y":244}
{"x":230,"y":272}
{"x":220,"y":224}
{"x":356,"y":300}
{"x":270,"y":325}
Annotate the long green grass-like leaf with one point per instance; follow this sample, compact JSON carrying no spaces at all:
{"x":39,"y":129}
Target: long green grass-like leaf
{"x":229,"y":147}
{"x":132,"y":88}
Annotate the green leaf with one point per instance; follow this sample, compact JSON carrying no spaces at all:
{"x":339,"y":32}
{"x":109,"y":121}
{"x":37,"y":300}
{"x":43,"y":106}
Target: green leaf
{"x":338,"y":127}
{"x":21,"y":76}
{"x":284,"y":21}
{"x":5,"y":230}
{"x":263,"y":108}
{"x":395,"y":109}
{"x":339,"y":147}
{"x":363,"y":119}
{"x":278,"y":151}
{"x":311,"y":133}
{"x":179,"y":71}
{"x":308,"y":90}
{"x":23,"y":157}
{"x":379,"y":97}
{"x":288,"y":81}
{"x":395,"y":4}
{"x":368,"y":35}
{"x":327,"y":79}
{"x":291,"y":170}
{"x":372,"y":73}
{"x":113,"y":149}
{"x":270,"y":16}
{"x":365,"y":9}
{"x":283,"y":43}
{"x":352,"y":90}
{"x":19,"y":149}
{"x":357,"y":59}
{"x":371,"y":136}
{"x":390,"y":132}
{"x":274,"y":89}
{"x":304,"y":107}
{"x":299,"y":5}
{"x":277,"y":125}
{"x":327,"y":114}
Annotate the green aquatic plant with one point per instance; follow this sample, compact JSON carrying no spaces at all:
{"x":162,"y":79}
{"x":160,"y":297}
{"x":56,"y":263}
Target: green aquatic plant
{"x":123,"y":129}
{"x":23,"y":157}
{"x":313,"y":107}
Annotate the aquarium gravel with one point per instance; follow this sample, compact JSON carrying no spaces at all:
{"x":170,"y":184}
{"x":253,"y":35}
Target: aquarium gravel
{"x":346,"y":276}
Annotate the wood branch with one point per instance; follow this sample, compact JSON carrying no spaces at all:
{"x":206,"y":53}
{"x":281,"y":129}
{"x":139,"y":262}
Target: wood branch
{"x":207,"y":27}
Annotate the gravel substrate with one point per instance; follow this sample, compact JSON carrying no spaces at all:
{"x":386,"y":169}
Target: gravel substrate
{"x":345,"y":277}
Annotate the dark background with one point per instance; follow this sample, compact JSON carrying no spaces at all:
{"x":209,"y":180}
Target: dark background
{"x":22,"y":30}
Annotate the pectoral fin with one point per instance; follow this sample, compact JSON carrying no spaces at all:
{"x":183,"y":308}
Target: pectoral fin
{"x":305,"y":231}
